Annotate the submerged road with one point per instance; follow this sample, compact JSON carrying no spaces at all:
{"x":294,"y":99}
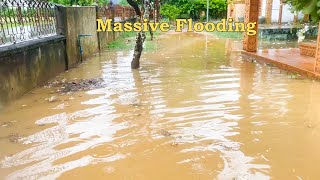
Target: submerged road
{"x":195,"y":110}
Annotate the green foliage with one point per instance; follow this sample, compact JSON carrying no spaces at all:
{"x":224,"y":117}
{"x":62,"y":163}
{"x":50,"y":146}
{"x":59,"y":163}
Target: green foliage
{"x":216,"y":7}
{"x":7,"y":12}
{"x":80,"y":2}
{"x":124,"y":3}
{"x":311,"y":7}
{"x":192,"y":8}
{"x":125,"y":41}
{"x":170,"y":11}
{"x":10,"y":12}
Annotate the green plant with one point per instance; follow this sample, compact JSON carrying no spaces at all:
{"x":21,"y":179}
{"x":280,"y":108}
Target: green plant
{"x":217,"y":8}
{"x":126,"y":41}
{"x":124,"y":3}
{"x":170,"y":11}
{"x":123,"y":42}
{"x":311,"y":7}
{"x":192,"y":8}
{"x":79,"y":2}
{"x":202,"y":18}
{"x":7,"y":12}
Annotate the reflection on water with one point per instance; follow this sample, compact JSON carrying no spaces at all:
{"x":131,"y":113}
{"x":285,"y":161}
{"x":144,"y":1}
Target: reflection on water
{"x":195,"y":110}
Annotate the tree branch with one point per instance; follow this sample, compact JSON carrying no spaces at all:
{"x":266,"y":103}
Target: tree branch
{"x":135,"y":6}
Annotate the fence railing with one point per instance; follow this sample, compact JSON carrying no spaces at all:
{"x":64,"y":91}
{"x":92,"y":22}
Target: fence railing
{"x":22,"y":20}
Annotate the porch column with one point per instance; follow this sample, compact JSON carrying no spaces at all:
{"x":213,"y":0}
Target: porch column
{"x":260,"y":7}
{"x":280,"y":13}
{"x":269,"y":11}
{"x":317,"y":59}
{"x":250,"y":43}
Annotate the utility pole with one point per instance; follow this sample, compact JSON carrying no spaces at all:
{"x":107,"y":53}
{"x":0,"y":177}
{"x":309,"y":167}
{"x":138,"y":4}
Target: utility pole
{"x":207,"y":10}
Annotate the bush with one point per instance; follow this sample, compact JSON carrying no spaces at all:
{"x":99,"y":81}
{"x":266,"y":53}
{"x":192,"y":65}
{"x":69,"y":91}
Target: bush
{"x":192,"y":8}
{"x":170,"y":11}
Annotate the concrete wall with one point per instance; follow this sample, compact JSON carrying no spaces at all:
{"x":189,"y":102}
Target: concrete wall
{"x":287,"y":15}
{"x":80,"y":20}
{"x":26,"y":65}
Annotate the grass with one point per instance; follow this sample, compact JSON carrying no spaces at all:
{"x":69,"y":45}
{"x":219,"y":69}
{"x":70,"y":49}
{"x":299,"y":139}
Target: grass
{"x":123,"y":42}
{"x":126,"y":41}
{"x":231,"y":35}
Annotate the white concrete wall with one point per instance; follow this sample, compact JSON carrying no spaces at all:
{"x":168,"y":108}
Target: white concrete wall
{"x":287,"y":15}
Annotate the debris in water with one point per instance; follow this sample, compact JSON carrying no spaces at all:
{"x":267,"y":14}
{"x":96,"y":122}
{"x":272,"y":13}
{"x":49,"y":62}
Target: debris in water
{"x":14,"y":137}
{"x":53,"y":99}
{"x":7,"y":124}
{"x":135,"y":104}
{"x":175,"y":143}
{"x":77,"y":85}
{"x":61,"y":106}
{"x":165,"y":133}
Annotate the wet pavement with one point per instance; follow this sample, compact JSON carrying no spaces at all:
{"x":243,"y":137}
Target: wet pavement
{"x":195,"y":110}
{"x":297,"y":63}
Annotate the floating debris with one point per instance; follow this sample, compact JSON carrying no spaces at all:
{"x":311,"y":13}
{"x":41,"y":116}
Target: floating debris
{"x":14,"y":137}
{"x":175,"y":143}
{"x":77,"y":85}
{"x":165,"y":133}
{"x":7,"y":124}
{"x":136,"y":104}
{"x":53,"y":99}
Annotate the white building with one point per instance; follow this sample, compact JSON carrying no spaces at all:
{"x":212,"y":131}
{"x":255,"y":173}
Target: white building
{"x":236,"y":10}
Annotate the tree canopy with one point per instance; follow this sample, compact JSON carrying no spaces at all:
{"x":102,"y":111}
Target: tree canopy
{"x":192,"y":8}
{"x":311,"y":7}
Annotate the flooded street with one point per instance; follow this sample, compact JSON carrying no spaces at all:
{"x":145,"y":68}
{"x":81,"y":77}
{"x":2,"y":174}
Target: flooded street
{"x":196,"y":109}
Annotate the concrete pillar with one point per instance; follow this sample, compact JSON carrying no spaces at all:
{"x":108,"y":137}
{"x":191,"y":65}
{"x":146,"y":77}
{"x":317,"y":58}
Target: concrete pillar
{"x":317,"y":59}
{"x":269,"y":11}
{"x":250,"y":43}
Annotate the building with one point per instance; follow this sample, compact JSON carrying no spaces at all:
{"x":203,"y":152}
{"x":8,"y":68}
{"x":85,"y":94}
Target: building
{"x":274,"y":11}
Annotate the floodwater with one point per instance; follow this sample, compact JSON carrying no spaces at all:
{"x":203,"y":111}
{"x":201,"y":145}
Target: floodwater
{"x":196,"y":109}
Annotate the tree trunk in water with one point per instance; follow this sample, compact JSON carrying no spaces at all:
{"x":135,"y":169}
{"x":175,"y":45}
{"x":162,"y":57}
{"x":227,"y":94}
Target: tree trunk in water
{"x":135,"y":63}
{"x":140,"y":37}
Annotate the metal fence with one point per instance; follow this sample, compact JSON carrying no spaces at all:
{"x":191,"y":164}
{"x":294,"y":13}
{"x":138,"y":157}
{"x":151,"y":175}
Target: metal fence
{"x":22,"y":20}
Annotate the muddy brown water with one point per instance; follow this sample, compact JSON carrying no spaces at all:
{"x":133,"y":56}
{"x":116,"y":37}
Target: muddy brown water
{"x":195,"y":110}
